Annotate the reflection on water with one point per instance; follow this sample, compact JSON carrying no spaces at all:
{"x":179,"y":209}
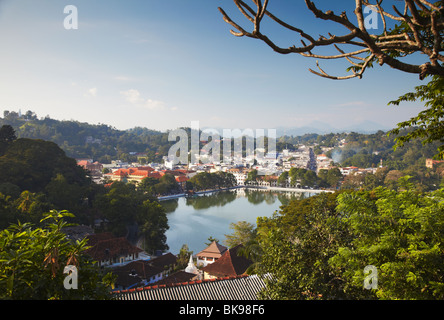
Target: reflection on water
{"x":193,"y":220}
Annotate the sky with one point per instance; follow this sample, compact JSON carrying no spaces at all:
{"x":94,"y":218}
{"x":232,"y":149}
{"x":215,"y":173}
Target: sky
{"x":162,"y":64}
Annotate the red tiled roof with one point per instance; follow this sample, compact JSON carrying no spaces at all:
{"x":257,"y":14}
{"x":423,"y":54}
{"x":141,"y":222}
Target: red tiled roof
{"x":177,"y":277}
{"x":155,"y":174}
{"x":104,"y":246}
{"x":181,"y":179}
{"x":230,"y":264}
{"x":143,"y":269}
{"x":214,"y":250}
{"x":174,"y":172}
{"x":138,"y":171}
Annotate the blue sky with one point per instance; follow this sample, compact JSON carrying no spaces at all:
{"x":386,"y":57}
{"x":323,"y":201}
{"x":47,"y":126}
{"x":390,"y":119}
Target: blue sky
{"x":161,"y":64}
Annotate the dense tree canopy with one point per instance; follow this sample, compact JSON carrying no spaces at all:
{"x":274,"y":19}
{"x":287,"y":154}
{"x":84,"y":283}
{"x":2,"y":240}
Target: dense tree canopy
{"x":319,"y":247}
{"x":33,"y":260}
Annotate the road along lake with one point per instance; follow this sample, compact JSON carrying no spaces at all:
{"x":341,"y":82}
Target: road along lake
{"x":193,"y":220}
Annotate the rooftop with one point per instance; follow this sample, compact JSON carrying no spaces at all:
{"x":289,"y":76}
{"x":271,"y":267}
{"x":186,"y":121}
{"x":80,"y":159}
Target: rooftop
{"x":229,"y":288}
{"x":105,"y":246}
{"x":214,"y":250}
{"x":230,"y":264}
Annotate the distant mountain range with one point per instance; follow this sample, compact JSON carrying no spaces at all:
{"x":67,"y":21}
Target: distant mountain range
{"x":317,"y":127}
{"x":365,"y":127}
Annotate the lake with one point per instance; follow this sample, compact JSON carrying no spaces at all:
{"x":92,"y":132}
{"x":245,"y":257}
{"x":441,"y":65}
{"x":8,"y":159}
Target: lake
{"x":193,"y":220}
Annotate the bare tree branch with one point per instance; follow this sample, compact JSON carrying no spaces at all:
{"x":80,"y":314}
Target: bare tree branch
{"x":419,"y":30}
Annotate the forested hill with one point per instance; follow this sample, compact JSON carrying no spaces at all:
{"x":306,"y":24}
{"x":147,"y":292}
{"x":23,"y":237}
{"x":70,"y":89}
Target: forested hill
{"x":82,"y":140}
{"x":104,"y":143}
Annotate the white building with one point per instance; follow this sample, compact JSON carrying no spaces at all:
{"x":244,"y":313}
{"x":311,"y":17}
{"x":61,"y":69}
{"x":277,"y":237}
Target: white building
{"x":210,"y":254}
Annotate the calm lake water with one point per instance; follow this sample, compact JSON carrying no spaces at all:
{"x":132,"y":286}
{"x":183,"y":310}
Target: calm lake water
{"x":193,"y":220}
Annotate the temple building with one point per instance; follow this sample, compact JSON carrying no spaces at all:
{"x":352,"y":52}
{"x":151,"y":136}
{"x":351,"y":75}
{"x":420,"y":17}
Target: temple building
{"x":231,"y":264}
{"x":211,"y":254}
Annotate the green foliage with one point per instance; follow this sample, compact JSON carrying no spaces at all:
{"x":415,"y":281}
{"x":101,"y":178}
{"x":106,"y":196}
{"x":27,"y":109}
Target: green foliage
{"x":31,"y":164}
{"x":317,"y":248}
{"x":428,"y":124}
{"x":401,"y":233}
{"x":107,"y":142}
{"x":32,"y":262}
{"x":7,"y":134}
{"x":183,"y":258}
{"x":37,"y":176}
{"x":252,"y":175}
{"x":243,"y":232}
{"x":296,"y":246}
{"x":122,"y":205}
{"x":208,"y":181}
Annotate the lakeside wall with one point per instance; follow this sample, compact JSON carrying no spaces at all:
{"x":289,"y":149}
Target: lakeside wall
{"x":174,"y":196}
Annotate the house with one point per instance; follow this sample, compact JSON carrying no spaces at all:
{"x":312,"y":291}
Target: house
{"x":348,"y":170}
{"x":239,"y":174}
{"x":108,"y":250}
{"x":210,"y":254}
{"x":136,"y":174}
{"x":430,"y":163}
{"x":144,"y":272}
{"x":93,"y":168}
{"x":230,"y":288}
{"x":231,"y":264}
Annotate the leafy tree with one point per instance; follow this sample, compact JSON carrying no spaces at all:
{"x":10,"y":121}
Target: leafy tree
{"x":401,"y":234}
{"x":153,"y":225}
{"x":216,"y":180}
{"x":428,"y":124}
{"x":32,"y":262}
{"x":183,"y":257}
{"x":318,"y":247}
{"x":7,"y":134}
{"x":334,"y":175}
{"x":252,"y":175}
{"x":148,"y":185}
{"x":119,"y":205}
{"x":243,"y":232}
{"x":124,"y":206}
{"x":296,"y":246}
{"x":8,"y":212}
{"x":283,"y":178}
{"x":31,"y":164}
{"x":210,"y":240}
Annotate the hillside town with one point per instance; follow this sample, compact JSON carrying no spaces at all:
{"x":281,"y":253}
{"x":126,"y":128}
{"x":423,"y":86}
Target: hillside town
{"x":141,"y":276}
{"x":268,"y":168}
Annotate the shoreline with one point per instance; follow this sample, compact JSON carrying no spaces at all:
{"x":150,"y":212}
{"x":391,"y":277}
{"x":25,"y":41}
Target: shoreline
{"x":174,"y":196}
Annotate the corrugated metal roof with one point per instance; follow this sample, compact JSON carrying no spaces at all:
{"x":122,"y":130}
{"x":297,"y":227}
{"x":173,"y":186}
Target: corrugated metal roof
{"x":232,"y":288}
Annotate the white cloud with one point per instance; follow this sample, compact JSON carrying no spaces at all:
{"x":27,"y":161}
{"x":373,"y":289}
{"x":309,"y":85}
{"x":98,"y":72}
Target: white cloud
{"x":133,"y":96}
{"x":123,"y":78}
{"x":154,"y":104}
{"x":91,"y":93}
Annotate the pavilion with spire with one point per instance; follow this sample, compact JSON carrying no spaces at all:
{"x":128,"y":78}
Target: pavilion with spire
{"x":210,"y":254}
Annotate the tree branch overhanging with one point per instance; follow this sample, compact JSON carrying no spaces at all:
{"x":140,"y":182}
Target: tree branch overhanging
{"x":419,"y":29}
